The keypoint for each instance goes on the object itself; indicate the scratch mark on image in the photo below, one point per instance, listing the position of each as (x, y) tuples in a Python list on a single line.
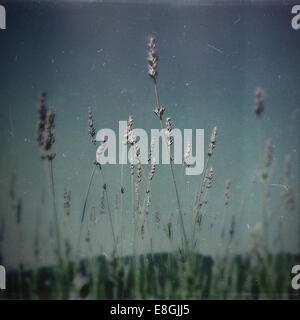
[(237, 20), (280, 185), (215, 48)]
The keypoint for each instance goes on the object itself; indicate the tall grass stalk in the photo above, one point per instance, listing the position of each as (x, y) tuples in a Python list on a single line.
[(185, 241), (198, 195), (109, 211), (122, 200), (84, 207), (56, 222)]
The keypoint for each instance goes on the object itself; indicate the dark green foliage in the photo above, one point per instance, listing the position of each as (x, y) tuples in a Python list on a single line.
[(158, 276)]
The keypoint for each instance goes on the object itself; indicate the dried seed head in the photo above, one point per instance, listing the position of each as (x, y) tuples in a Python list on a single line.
[(259, 101), (143, 231), (187, 154), (45, 129), (213, 140), (268, 153), (67, 201), (49, 129), (42, 110), (159, 111), (226, 192), (139, 173), (152, 171), (151, 149), (169, 124), (49, 135), (131, 168), (169, 138), (102, 147), (213, 137), (157, 217), (130, 123), (102, 202), (129, 137), (209, 177), (169, 131), (92, 131), (152, 58), (148, 199)]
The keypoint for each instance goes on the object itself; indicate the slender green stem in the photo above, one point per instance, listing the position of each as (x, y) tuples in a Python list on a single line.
[(260, 141), (222, 226), (198, 200), (52, 192), (172, 174), (138, 209), (263, 204), (241, 211), (122, 199), (200, 190), (203, 214), (132, 197), (87, 193), (264, 215), (145, 199), (84, 206), (141, 217), (156, 94), (109, 211), (143, 211)]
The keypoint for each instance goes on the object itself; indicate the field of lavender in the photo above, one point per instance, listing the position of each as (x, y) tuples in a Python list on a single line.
[(183, 272)]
